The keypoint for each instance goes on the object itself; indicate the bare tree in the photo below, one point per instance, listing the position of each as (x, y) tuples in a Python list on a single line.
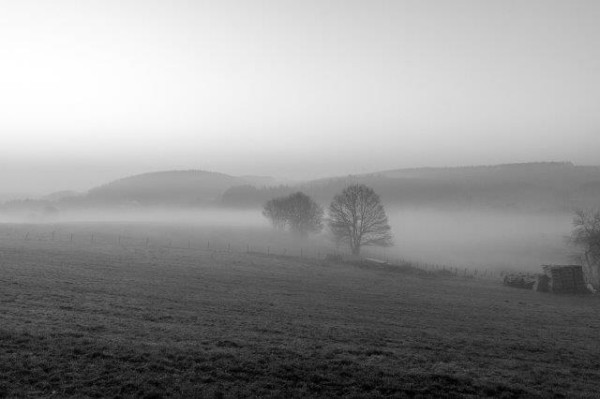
[(297, 211), (357, 217), (586, 235)]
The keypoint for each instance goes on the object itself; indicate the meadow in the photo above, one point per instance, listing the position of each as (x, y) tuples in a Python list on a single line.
[(152, 314)]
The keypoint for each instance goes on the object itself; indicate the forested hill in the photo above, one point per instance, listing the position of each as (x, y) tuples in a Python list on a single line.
[(170, 187), (189, 187), (530, 187)]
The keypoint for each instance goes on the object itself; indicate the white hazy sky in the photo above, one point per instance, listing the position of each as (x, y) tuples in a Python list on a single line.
[(94, 90)]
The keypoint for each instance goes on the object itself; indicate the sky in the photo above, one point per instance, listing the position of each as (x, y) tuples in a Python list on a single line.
[(95, 90)]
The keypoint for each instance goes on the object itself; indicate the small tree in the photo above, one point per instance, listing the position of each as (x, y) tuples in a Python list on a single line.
[(586, 235), (357, 217), (273, 210), (297, 211)]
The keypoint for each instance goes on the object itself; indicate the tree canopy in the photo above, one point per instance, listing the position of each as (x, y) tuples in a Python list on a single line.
[(586, 234), (357, 217), (296, 212)]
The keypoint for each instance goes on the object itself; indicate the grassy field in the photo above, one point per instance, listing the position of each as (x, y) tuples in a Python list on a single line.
[(97, 320)]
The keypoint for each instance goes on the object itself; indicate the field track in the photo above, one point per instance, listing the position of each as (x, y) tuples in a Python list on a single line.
[(82, 320)]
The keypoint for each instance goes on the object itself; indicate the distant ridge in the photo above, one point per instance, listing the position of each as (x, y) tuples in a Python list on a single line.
[(522, 165), (176, 187), (519, 186), (180, 187), (510, 167), (536, 186)]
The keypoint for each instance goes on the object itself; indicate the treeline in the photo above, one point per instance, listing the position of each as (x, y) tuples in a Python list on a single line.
[(528, 187)]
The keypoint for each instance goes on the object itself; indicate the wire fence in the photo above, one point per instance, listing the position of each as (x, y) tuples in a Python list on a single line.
[(83, 239)]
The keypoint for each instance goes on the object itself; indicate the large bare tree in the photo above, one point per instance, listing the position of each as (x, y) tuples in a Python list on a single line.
[(357, 217), (586, 234), (297, 212)]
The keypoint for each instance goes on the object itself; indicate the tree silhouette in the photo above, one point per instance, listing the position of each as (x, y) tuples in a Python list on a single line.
[(297, 212), (357, 217), (586, 234)]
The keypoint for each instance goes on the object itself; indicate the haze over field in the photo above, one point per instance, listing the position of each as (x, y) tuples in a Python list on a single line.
[(506, 216), (299, 198), (200, 112)]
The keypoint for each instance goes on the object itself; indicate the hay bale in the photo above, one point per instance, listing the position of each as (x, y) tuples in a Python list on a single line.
[(520, 280), (565, 279), (541, 283)]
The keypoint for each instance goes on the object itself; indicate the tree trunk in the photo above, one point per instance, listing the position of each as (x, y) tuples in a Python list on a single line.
[(593, 270)]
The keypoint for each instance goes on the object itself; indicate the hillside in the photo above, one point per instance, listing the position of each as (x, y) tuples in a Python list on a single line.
[(187, 188), (114, 320), (522, 187), (531, 186), (528, 186), (190, 187)]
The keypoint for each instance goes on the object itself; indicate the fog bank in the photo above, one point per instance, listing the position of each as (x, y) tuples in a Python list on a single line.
[(475, 239), (457, 238)]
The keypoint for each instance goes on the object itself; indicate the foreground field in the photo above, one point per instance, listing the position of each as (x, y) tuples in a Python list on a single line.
[(109, 321)]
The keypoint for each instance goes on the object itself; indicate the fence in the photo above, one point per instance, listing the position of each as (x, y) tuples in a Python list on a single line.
[(215, 244)]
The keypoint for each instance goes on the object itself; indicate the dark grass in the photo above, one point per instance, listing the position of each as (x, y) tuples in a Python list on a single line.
[(95, 321)]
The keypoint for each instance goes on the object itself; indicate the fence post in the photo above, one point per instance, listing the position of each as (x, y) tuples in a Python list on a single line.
[(208, 245), (92, 239), (71, 237)]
